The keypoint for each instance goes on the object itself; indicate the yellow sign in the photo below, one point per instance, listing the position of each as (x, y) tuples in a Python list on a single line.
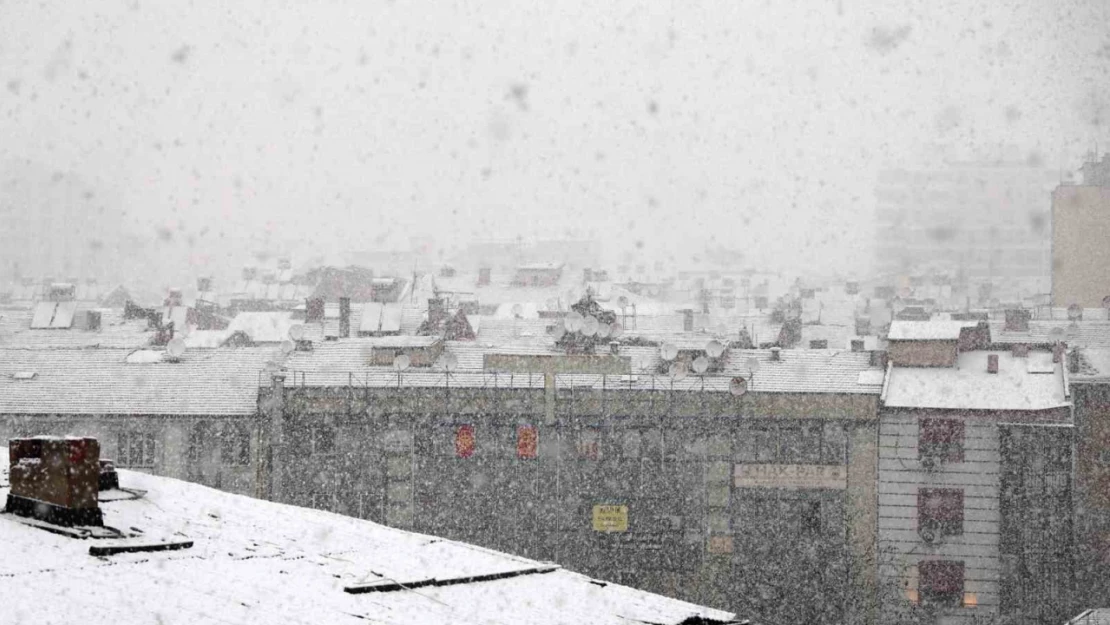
[(791, 476), (610, 518)]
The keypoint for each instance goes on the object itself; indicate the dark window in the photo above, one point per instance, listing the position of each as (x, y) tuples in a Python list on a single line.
[(465, 442), (323, 439), (811, 517), (589, 444), (527, 442), (780, 443), (941, 583), (235, 444), (136, 449), (941, 440), (940, 510)]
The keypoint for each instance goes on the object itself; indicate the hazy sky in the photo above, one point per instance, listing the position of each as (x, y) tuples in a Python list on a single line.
[(676, 124)]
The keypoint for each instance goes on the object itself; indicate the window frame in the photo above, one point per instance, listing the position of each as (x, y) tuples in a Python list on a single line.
[(942, 439), (932, 573), (946, 517), (147, 450)]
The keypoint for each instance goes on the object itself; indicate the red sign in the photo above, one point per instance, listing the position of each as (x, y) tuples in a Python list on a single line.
[(527, 442), (464, 441)]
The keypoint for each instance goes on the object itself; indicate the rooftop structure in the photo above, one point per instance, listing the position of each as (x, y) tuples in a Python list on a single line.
[(253, 561)]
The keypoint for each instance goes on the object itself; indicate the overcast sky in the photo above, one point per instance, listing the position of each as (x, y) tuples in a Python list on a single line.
[(674, 124)]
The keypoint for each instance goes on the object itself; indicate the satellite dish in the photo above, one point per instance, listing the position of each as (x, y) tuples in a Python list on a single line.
[(559, 331), (714, 349), (518, 310), (1075, 312), (401, 362), (287, 347), (603, 330), (753, 364), (738, 386), (296, 332), (175, 348), (450, 361), (616, 330), (589, 326), (668, 351), (678, 371), (701, 365)]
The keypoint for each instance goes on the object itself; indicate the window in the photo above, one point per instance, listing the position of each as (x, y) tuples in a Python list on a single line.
[(940, 510), (465, 442), (235, 444), (783, 443), (589, 444), (323, 439), (136, 450), (941, 440), (941, 583), (527, 442)]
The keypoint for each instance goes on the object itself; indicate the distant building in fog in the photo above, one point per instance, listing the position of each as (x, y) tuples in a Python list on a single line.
[(1081, 238), (983, 220)]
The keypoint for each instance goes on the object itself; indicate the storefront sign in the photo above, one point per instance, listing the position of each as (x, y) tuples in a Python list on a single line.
[(610, 518), (792, 476)]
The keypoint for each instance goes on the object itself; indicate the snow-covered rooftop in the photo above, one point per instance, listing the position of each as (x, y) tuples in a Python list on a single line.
[(254, 561), (931, 330), (969, 386)]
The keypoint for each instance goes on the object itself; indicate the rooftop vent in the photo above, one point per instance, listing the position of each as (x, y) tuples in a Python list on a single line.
[(776, 353), (992, 363)]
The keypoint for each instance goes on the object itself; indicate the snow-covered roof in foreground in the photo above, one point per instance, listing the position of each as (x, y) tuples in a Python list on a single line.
[(968, 386), (255, 561)]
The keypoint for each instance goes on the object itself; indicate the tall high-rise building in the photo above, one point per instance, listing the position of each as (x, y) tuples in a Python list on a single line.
[(981, 220), (1081, 238)]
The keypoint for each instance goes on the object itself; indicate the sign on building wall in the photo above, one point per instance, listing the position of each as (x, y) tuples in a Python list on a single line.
[(791, 476), (610, 518)]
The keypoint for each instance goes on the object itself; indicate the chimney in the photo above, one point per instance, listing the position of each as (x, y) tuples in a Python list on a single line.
[(92, 320), (484, 276), (204, 284), (1058, 350), (776, 353), (857, 345), (174, 298), (992, 363), (1073, 361), (1020, 350), (688, 320), (314, 310), (344, 317), (614, 348), (1017, 320), (437, 309)]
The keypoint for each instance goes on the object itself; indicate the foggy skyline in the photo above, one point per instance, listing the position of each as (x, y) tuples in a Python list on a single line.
[(751, 125)]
